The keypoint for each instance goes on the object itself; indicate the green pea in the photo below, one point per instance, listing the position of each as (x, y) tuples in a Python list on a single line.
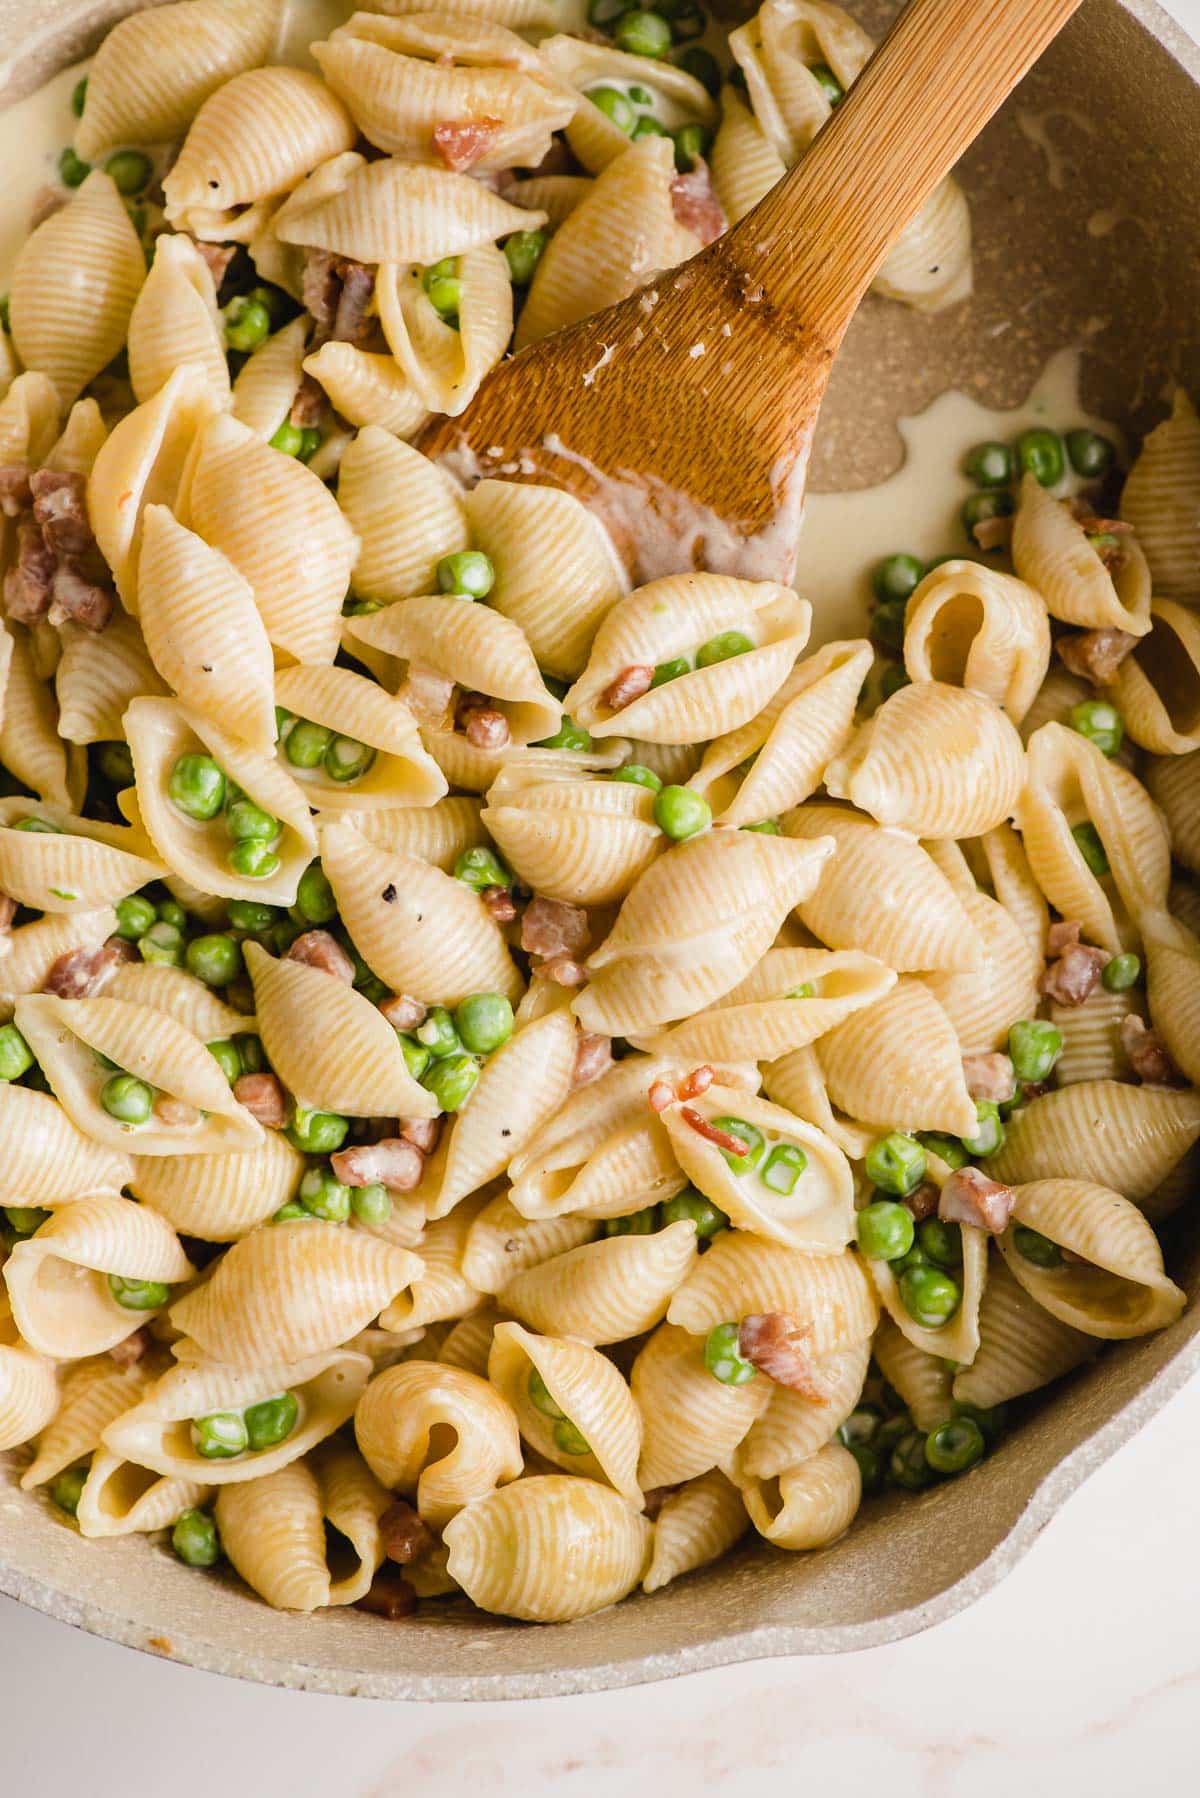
[(251, 915), (691, 1206), (569, 1439), (783, 1167), (940, 1242), (16, 1057), (1032, 1246), (195, 1539), (1090, 845), (416, 1056), (648, 126), (127, 1099), (24, 1220), (115, 763), (247, 324), (444, 289), (887, 623), (1040, 453), (438, 1033), (989, 1137), (947, 1148), (687, 21), (452, 1081), (288, 439), (72, 170), (216, 960), (569, 735), (954, 1445), (138, 1295), (197, 787), (989, 465), (135, 915), (67, 1489), (896, 1163), (371, 1204), (314, 896), (669, 671), (38, 827), (977, 508), (702, 66), (247, 822), (766, 827), (643, 34), (929, 1296), (469, 571), (224, 1052), (250, 1053), (896, 577), (306, 743), (162, 946), (1122, 972), (540, 1396), (131, 170), (1100, 723), (480, 868), (1091, 455), (870, 1465), (990, 1420), (310, 442), (220, 1436), (907, 1465), (893, 679), (828, 82), (724, 1359), (523, 251), (317, 1132), (346, 759), (638, 776), (641, 96), (691, 141), (1033, 1047), (554, 686), (862, 1425), (272, 1420), (291, 1212), (254, 859), (890, 1433), (171, 912), (79, 96), (806, 990), (722, 648), (746, 1134), (324, 1196), (636, 1223), (885, 1230), (680, 813), (484, 1022)]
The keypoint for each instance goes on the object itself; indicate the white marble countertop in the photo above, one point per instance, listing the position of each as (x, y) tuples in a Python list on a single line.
[(1080, 1674)]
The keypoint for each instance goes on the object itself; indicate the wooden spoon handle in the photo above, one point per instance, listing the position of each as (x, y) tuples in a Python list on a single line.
[(928, 91)]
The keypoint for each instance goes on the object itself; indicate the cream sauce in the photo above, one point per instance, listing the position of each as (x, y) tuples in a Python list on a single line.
[(1035, 128)]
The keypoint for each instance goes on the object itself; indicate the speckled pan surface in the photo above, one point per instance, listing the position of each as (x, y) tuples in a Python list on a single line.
[(1120, 95)]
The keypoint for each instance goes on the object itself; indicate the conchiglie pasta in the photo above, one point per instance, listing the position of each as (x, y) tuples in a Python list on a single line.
[(401, 212), (1173, 991), (405, 512), (1104, 1132), (437, 833), (445, 363), (794, 1425), (696, 1525), (923, 1380), (583, 1418), (47, 1160), (28, 1393), (957, 1338), (690, 1422), (1091, 1037), (584, 841), (743, 1275), (809, 1505), (367, 388), (500, 1242), (121, 1499), (77, 865), (796, 1081), (605, 1291), (745, 164), (1173, 782), (403, 1424), (1156, 689), (900, 1060), (972, 626), (175, 322), (400, 772), (265, 389), (548, 1549), (274, 1530), (98, 676), (221, 1198), (1161, 500), (441, 1292), (292, 1290), (1022, 1346), (982, 1004), (1054, 554), (30, 745), (670, 96)]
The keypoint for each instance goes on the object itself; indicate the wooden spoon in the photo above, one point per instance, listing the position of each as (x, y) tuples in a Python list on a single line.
[(684, 415)]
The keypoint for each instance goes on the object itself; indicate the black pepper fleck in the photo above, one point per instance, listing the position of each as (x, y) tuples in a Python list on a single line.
[(389, 894)]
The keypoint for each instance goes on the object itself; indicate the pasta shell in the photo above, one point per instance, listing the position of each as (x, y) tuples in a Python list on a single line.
[(142, 87), (265, 389), (30, 745), (500, 1242), (817, 1215), (93, 1393), (548, 1549), (469, 1341), (690, 1422), (1101, 1131), (437, 833), (1157, 686), (1161, 500), (287, 1292), (557, 573), (745, 165), (1052, 553), (792, 740), (929, 267), (810, 1505), (29, 419), (402, 774), (971, 626), (797, 1082), (122, 1499), (584, 842), (280, 527), (777, 50), (404, 1422), (159, 732), (1174, 784), (1021, 1345), (82, 439), (1114, 1287), (605, 1291), (744, 1274), (79, 1041), (588, 1391), (1091, 1037), (793, 1427), (441, 1292), (882, 893), (367, 388), (74, 284), (674, 617), (175, 322), (79, 866), (405, 512), (675, 97), (220, 1198), (696, 1525), (98, 676), (419, 930), (900, 1061), (922, 1380), (1173, 990), (28, 1394), (58, 1278), (47, 1160), (445, 363), (958, 1338), (393, 211), (254, 137), (983, 1003), (939, 761), (293, 1566), (555, 195)]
